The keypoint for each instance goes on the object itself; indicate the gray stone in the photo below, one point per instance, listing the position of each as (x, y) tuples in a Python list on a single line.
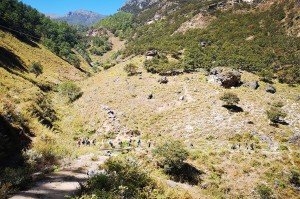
[(163, 80), (181, 98), (229, 78), (297, 98), (251, 84), (171, 183), (270, 89)]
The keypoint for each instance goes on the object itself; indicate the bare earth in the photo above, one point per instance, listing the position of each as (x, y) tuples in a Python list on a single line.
[(63, 183)]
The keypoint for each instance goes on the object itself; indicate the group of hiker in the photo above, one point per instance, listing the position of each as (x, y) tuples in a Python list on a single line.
[(86, 141), (233, 146), (129, 143)]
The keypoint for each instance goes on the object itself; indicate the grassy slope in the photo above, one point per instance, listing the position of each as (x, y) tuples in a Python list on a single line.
[(21, 92), (214, 129)]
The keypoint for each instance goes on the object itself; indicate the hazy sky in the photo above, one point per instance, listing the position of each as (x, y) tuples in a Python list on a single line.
[(60, 7)]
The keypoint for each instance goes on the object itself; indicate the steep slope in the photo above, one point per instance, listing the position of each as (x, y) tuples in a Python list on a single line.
[(26, 100), (80, 17)]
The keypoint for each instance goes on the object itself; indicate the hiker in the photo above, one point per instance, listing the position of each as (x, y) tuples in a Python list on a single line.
[(88, 142), (79, 142), (239, 145), (233, 146), (111, 144), (139, 142), (83, 141), (120, 144), (94, 142), (191, 145), (247, 145), (149, 143), (154, 143), (252, 146)]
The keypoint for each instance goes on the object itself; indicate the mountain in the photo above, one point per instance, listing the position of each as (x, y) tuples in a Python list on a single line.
[(79, 17)]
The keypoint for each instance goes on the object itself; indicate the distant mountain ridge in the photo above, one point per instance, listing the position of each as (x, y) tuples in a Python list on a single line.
[(79, 17)]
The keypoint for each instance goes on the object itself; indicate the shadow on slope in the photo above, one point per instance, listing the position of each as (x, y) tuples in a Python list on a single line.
[(187, 174), (13, 141), (9, 60)]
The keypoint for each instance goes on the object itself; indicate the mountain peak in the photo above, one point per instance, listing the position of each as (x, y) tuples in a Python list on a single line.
[(78, 17)]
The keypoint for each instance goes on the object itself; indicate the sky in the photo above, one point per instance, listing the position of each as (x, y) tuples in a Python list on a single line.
[(61, 7)]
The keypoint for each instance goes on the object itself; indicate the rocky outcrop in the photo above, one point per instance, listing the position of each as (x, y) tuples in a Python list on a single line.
[(251, 84), (270, 89), (229, 78), (199, 21)]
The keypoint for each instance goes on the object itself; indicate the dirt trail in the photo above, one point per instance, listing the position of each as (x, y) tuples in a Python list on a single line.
[(62, 183)]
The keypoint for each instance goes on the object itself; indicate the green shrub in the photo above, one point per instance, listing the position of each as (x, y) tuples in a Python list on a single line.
[(230, 99), (130, 69), (36, 68), (264, 191), (276, 115), (295, 177), (123, 179), (171, 155), (70, 90)]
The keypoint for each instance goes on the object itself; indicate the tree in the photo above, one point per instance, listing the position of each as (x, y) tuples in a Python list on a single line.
[(36, 68), (276, 115), (130, 69), (70, 90), (230, 99), (171, 155)]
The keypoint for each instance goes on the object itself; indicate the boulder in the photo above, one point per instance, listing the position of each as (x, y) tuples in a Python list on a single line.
[(151, 53), (251, 84), (163, 80), (229, 78), (271, 89)]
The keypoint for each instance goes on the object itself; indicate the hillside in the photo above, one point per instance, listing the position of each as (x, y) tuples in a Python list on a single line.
[(197, 118), (79, 17), (187, 99)]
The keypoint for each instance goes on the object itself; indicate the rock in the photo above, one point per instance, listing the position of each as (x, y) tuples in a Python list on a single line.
[(151, 53), (38, 176), (204, 186), (251, 84), (171, 183), (106, 108), (181, 98), (271, 89), (295, 140), (229, 78), (297, 98), (150, 96), (215, 71), (163, 80)]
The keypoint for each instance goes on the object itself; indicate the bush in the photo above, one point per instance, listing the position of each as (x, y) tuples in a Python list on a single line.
[(122, 179), (264, 191), (130, 69), (230, 99), (295, 177), (275, 115), (36, 68), (70, 90), (171, 155)]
